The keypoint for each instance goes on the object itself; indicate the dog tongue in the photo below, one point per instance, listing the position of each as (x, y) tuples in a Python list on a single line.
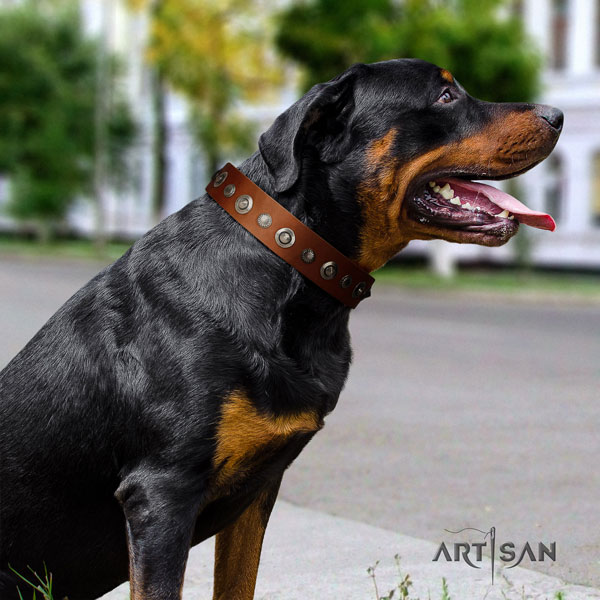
[(507, 202)]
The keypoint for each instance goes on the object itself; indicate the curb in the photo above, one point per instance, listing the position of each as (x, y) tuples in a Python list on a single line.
[(312, 555)]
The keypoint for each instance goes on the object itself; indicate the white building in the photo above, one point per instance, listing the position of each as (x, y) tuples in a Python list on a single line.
[(568, 184)]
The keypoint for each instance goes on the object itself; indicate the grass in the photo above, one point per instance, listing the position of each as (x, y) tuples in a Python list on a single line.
[(60, 248), (509, 281), (503, 281), (41, 585), (402, 589)]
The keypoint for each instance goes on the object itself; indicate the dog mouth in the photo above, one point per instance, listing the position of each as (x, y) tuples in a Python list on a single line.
[(473, 209)]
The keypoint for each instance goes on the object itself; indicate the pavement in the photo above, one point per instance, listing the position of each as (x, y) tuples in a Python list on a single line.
[(308, 555), (461, 410)]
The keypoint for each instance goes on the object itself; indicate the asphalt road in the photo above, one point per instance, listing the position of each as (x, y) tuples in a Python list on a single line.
[(460, 411)]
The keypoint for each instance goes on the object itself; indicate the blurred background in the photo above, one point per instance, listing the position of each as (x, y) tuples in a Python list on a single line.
[(474, 396), (114, 113)]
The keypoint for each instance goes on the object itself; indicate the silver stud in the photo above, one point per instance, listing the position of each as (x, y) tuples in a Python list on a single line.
[(345, 281), (359, 289), (285, 237), (264, 220), (220, 178), (308, 255), (243, 204), (229, 190), (328, 270)]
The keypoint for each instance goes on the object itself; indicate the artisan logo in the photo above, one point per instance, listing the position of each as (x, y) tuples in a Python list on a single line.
[(508, 552)]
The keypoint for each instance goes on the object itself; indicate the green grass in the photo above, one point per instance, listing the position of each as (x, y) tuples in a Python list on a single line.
[(71, 249), (38, 584), (401, 591), (43, 585), (502, 281), (418, 278)]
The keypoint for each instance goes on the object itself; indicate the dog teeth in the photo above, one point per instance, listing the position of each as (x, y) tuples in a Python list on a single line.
[(432, 184), (511, 217), (468, 206), (447, 192), (455, 200), (503, 215), (436, 188)]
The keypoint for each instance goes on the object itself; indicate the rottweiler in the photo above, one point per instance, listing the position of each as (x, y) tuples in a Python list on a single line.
[(163, 402)]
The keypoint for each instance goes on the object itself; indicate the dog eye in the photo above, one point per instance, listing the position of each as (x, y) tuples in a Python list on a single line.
[(445, 98)]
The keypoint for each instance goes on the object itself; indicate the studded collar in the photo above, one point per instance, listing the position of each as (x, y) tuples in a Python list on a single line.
[(289, 238)]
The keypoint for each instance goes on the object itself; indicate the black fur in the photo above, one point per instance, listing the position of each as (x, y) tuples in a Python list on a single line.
[(112, 407)]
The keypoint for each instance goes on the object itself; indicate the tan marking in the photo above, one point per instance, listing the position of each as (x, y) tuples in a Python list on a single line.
[(237, 552), (508, 144), (243, 431), (384, 234), (447, 75), (380, 148)]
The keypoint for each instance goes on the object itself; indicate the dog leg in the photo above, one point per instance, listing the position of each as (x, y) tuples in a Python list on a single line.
[(160, 518), (238, 546)]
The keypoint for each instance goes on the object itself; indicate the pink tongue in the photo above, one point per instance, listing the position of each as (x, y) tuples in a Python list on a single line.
[(506, 202)]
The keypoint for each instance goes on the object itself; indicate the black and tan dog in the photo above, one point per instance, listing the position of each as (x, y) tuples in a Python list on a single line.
[(162, 403)]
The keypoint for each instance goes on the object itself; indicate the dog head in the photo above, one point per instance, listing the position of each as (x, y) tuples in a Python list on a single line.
[(396, 144)]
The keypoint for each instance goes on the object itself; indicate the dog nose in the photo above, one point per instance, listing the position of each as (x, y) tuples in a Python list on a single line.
[(551, 115)]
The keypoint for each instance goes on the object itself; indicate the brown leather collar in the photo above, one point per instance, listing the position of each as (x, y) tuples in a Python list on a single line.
[(288, 237)]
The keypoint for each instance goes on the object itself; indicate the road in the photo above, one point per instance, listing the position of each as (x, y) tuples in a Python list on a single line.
[(460, 411)]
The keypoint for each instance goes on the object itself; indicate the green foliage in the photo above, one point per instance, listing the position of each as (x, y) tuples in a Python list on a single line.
[(402, 587), (327, 36), (445, 590), (217, 54), (48, 82), (481, 42), (40, 585)]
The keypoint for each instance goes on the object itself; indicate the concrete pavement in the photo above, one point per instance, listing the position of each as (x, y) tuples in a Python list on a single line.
[(309, 555), (467, 411)]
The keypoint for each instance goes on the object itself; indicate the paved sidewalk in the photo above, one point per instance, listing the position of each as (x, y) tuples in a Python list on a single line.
[(310, 555)]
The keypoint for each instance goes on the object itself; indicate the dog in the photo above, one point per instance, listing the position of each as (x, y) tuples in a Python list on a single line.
[(163, 402)]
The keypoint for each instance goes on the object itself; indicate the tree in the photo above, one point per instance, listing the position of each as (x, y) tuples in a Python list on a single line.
[(217, 54), (481, 42), (48, 80)]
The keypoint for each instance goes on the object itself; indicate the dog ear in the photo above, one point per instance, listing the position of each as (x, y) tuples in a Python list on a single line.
[(319, 119)]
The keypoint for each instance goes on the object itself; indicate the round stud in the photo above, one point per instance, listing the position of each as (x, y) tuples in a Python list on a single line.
[(359, 289), (328, 270), (220, 178), (243, 204), (308, 255), (229, 190), (285, 237), (265, 220), (346, 281)]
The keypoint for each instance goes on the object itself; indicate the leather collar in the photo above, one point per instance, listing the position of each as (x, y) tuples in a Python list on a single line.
[(282, 233)]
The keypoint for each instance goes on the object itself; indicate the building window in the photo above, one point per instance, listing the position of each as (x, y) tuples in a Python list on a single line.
[(558, 59), (554, 187), (595, 199)]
